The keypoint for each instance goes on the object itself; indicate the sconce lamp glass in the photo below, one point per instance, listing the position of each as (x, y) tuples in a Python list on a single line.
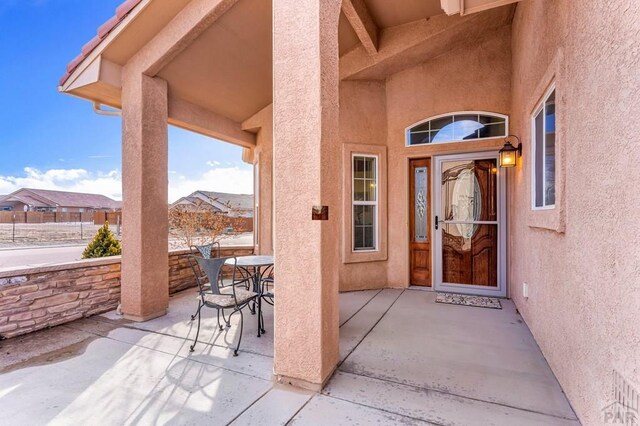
[(509, 154)]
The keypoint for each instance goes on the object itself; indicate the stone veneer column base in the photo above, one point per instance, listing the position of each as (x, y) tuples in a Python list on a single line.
[(138, 318), (303, 384)]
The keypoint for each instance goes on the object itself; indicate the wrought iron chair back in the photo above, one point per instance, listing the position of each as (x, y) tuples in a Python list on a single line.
[(212, 268), (207, 250)]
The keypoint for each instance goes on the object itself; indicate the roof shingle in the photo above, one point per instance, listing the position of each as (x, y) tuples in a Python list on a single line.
[(103, 31), (45, 197)]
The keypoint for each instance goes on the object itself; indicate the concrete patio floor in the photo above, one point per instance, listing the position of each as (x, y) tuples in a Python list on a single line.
[(404, 360)]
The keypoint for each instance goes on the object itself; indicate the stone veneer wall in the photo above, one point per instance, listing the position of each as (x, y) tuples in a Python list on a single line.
[(36, 298)]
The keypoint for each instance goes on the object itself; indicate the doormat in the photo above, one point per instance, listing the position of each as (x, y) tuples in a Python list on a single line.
[(467, 300)]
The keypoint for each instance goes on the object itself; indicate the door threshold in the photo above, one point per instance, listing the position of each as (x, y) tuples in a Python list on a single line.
[(420, 288)]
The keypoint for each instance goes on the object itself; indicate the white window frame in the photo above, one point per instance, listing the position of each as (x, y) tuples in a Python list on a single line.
[(539, 108), (365, 203), (407, 130), (256, 202)]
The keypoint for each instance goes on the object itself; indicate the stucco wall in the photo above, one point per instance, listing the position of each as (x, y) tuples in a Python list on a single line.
[(362, 121), (473, 78), (584, 283)]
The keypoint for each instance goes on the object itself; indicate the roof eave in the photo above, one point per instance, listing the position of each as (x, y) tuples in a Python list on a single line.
[(89, 66)]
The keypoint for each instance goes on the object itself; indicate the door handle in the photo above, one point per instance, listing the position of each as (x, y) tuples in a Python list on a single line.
[(436, 222)]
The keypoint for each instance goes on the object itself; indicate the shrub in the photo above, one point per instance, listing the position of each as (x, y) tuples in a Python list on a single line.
[(103, 244)]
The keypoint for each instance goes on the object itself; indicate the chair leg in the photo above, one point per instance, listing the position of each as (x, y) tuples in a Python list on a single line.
[(197, 310), (197, 332), (219, 325), (235, 353), (260, 318), (227, 321)]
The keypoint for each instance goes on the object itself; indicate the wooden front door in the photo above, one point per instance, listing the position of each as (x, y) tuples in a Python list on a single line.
[(420, 220)]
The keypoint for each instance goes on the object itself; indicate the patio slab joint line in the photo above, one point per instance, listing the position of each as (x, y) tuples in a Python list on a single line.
[(250, 405), (455, 395), (300, 409), (371, 329), (385, 410), (361, 307)]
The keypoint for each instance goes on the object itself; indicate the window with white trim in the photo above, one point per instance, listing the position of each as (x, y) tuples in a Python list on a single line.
[(365, 202), (544, 153)]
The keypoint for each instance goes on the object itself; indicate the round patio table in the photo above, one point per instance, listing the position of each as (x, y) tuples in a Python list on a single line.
[(257, 263)]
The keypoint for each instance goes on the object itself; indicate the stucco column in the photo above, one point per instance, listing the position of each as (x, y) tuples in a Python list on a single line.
[(145, 261), (306, 174)]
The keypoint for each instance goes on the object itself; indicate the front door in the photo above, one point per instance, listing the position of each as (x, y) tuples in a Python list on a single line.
[(468, 223), (420, 214)]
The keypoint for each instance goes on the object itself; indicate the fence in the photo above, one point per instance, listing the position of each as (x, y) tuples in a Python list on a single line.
[(40, 228), (43, 233), (97, 218)]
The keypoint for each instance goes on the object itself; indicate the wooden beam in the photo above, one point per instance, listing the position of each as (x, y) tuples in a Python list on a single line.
[(259, 119), (467, 7), (193, 20), (197, 119), (416, 42), (363, 25)]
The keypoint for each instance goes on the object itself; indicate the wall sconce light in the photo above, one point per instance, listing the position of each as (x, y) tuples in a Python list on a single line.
[(508, 157)]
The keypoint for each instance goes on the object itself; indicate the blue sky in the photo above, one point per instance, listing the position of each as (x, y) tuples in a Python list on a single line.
[(55, 141)]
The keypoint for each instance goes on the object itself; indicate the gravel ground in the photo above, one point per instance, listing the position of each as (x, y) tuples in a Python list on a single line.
[(46, 234)]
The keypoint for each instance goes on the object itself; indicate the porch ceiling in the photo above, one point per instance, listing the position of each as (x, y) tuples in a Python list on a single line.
[(415, 42), (227, 68)]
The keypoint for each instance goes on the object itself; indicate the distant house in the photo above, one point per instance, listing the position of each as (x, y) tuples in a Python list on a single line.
[(42, 200), (234, 205)]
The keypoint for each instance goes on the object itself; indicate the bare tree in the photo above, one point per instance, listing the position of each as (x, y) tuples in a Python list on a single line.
[(199, 224)]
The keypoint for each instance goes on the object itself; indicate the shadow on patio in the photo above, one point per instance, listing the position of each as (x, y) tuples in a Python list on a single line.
[(404, 359)]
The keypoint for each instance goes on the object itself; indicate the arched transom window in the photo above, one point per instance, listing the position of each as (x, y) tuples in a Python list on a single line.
[(456, 127)]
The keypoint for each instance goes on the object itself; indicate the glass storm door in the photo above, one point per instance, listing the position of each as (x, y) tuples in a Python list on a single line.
[(468, 223)]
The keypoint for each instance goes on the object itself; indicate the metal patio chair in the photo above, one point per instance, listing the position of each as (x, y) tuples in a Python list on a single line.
[(267, 292), (268, 281), (207, 251), (220, 297)]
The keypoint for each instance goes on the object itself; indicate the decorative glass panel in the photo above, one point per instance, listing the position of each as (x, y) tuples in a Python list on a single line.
[(458, 127), (421, 208), (469, 191)]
